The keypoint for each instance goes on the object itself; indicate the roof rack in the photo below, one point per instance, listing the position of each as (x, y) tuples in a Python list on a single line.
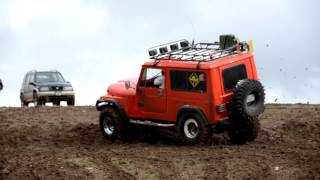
[(180, 45), (184, 51)]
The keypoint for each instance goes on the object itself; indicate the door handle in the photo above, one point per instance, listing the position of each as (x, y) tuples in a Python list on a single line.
[(160, 92), (138, 89)]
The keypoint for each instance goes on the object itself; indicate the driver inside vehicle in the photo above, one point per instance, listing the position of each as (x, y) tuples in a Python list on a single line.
[(159, 81)]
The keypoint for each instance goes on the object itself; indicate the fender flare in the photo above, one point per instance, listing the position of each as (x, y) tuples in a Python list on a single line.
[(191, 109), (100, 104), (35, 90)]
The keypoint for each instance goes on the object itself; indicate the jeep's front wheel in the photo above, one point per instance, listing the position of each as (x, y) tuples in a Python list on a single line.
[(193, 129), (111, 124)]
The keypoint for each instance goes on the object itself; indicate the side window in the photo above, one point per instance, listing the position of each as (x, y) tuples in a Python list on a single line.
[(31, 77), (188, 81), (232, 75), (153, 77), (25, 80)]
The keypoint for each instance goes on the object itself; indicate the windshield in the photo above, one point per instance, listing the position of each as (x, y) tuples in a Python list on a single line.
[(47, 77)]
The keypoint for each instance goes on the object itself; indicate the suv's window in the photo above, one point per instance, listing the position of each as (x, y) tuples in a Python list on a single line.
[(153, 77), (188, 81), (232, 75), (31, 77), (45, 77), (26, 78)]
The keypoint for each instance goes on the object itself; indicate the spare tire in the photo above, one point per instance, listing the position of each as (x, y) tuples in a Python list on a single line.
[(248, 99)]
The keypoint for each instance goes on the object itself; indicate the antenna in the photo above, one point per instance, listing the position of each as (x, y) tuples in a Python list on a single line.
[(193, 30), (192, 44)]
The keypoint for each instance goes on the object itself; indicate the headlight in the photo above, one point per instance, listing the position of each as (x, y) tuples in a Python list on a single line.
[(44, 89), (68, 88)]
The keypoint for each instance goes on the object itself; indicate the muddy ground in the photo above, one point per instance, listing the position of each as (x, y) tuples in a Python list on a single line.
[(65, 143)]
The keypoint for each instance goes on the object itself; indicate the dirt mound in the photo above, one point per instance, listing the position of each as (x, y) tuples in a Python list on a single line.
[(65, 143)]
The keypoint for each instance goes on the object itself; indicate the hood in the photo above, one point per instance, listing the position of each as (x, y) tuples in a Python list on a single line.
[(53, 84), (119, 88)]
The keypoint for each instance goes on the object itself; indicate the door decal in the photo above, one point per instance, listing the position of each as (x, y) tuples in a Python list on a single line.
[(194, 79)]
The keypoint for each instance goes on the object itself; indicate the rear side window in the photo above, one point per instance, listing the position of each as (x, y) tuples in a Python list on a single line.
[(31, 77), (232, 75), (188, 81), (26, 77)]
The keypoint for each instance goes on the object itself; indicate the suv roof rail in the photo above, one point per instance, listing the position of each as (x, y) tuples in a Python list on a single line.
[(43, 71)]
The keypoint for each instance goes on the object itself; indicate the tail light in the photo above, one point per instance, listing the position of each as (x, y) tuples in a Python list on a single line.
[(221, 108)]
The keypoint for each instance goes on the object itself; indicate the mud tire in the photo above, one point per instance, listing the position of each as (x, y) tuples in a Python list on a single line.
[(190, 137), (111, 124)]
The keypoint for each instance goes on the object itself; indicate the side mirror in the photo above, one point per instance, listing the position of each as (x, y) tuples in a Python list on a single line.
[(138, 89), (32, 83), (127, 85)]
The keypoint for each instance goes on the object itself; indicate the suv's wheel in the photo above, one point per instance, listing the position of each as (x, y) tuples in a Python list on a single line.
[(23, 103), (70, 102), (193, 129), (248, 99), (36, 100), (244, 131), (111, 124)]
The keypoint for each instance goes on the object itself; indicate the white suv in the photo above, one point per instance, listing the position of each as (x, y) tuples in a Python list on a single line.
[(40, 87)]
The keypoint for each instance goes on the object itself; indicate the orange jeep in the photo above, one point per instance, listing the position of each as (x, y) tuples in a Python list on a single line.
[(197, 89)]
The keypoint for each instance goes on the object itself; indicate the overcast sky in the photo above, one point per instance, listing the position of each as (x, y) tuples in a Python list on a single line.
[(97, 42)]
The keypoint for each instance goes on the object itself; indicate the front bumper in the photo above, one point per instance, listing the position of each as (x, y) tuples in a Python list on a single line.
[(55, 95), (100, 104)]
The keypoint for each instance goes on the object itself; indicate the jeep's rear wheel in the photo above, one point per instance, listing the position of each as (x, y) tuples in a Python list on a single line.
[(193, 129), (242, 132), (248, 99), (111, 124)]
